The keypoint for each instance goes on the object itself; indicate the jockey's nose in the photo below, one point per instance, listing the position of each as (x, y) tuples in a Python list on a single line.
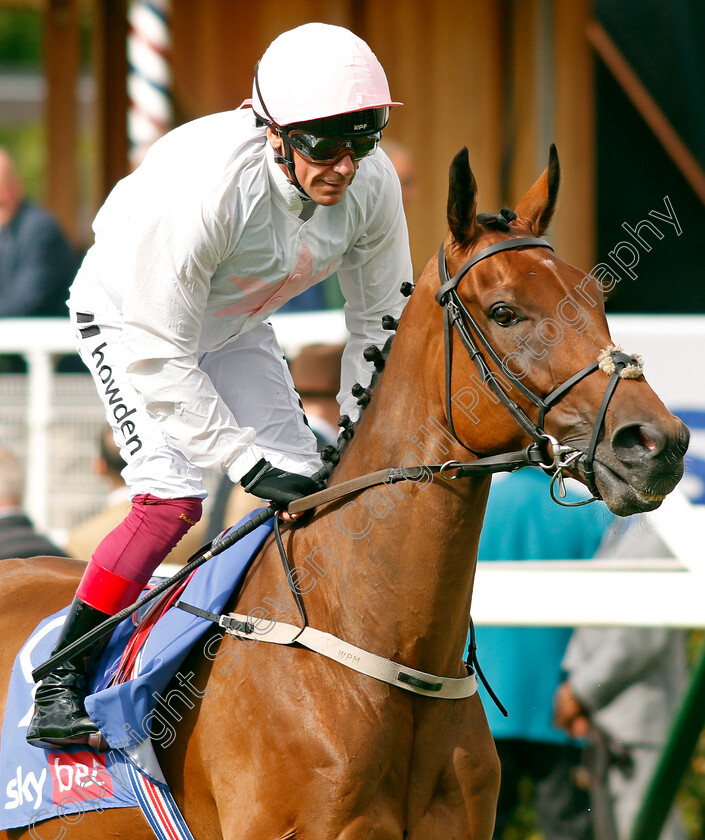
[(345, 165)]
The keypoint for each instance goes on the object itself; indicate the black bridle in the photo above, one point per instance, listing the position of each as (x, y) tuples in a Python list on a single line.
[(544, 451)]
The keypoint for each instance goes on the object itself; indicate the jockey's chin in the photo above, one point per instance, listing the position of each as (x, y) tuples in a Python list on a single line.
[(326, 183)]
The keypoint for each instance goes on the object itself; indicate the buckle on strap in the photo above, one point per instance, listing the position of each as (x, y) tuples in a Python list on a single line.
[(224, 621), (417, 683)]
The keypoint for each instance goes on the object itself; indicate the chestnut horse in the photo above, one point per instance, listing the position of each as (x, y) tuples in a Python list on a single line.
[(284, 743)]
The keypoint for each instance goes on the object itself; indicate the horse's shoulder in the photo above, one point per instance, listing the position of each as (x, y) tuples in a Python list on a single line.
[(30, 590), (27, 577)]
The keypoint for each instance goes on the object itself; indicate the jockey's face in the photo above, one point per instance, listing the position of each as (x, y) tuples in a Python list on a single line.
[(325, 183)]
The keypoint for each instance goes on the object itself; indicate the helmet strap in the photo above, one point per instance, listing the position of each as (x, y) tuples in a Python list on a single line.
[(287, 159)]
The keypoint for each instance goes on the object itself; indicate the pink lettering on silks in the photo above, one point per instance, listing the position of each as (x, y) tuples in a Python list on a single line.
[(258, 293)]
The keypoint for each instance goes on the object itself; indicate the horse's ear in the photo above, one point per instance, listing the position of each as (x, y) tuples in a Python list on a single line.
[(462, 199), (535, 210)]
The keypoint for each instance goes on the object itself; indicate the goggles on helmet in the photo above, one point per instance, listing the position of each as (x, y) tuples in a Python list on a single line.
[(329, 149), (326, 139), (351, 124)]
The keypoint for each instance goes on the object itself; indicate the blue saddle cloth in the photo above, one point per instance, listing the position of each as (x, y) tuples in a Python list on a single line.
[(37, 784)]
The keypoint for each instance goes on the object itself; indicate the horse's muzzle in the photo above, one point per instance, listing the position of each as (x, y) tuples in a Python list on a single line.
[(639, 465)]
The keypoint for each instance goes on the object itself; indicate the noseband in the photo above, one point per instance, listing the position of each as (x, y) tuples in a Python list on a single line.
[(545, 451)]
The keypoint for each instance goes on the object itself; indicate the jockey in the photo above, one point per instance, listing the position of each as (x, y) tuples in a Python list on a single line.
[(227, 218)]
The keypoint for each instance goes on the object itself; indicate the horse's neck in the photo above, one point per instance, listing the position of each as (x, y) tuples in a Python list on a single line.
[(405, 552)]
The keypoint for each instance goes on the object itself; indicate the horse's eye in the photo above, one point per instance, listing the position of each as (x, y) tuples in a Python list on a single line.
[(503, 315)]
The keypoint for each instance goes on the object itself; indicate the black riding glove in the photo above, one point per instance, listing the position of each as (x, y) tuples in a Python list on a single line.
[(279, 486)]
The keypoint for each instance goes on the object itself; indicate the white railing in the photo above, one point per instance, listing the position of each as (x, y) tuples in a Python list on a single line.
[(43, 341), (570, 593), (634, 593)]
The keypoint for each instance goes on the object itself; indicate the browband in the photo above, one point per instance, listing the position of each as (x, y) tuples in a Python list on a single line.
[(502, 245)]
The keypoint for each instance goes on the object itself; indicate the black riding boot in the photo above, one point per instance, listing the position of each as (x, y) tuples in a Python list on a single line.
[(60, 718)]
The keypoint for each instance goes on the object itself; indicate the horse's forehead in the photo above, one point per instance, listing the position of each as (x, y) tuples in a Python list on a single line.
[(547, 259), (516, 267)]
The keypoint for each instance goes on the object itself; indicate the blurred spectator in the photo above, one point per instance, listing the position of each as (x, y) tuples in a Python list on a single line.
[(623, 687), (523, 664), (84, 538), (37, 263), (403, 161), (18, 537), (316, 374)]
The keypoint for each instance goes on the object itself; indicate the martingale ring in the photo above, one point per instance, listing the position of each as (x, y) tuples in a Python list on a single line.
[(558, 450), (555, 453), (449, 465)]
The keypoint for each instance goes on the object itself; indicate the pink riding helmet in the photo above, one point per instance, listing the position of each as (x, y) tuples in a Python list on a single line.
[(318, 70)]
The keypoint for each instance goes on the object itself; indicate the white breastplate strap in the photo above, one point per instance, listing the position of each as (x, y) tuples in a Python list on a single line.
[(279, 633)]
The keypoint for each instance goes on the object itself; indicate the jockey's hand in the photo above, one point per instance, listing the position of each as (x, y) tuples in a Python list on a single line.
[(278, 486)]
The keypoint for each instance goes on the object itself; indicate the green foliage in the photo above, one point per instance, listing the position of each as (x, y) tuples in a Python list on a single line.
[(20, 38), (21, 51), (26, 144), (524, 825), (691, 796)]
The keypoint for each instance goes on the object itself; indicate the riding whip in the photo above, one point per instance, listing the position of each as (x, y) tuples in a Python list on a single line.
[(109, 624)]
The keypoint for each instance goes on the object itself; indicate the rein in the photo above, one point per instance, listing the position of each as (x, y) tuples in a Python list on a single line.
[(508, 462)]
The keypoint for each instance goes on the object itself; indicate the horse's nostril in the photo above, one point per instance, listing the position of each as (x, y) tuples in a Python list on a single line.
[(634, 442), (644, 438)]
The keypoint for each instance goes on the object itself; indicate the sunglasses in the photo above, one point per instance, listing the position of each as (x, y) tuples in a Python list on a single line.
[(329, 149)]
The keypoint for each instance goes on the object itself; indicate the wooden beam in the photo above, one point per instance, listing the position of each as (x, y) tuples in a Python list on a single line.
[(526, 106), (445, 67), (646, 105), (574, 227), (61, 57), (110, 68)]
